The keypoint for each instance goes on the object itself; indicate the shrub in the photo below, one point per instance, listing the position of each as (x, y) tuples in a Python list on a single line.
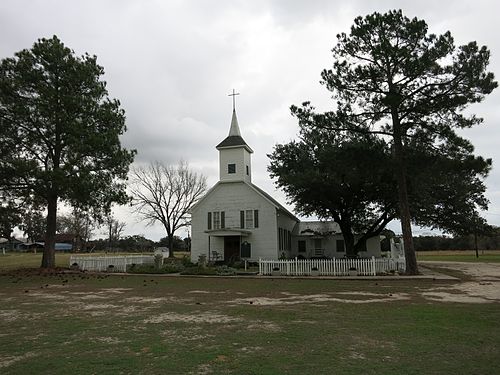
[(152, 268), (197, 270), (225, 271)]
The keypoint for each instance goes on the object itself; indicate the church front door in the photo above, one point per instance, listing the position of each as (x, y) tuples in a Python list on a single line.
[(231, 248)]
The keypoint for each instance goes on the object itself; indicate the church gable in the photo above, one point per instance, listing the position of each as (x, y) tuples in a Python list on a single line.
[(232, 198)]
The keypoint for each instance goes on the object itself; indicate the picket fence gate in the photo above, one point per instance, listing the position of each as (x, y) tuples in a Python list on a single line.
[(331, 267), (119, 263)]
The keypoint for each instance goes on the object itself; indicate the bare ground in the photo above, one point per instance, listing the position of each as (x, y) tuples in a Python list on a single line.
[(483, 285)]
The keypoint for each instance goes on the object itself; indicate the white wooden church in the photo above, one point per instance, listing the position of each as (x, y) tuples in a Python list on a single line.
[(238, 220)]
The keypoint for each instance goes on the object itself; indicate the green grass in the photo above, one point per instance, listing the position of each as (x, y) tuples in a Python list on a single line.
[(84, 324), (15, 260), (491, 256)]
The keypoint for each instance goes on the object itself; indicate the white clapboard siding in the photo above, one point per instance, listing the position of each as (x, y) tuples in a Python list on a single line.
[(102, 263), (331, 267)]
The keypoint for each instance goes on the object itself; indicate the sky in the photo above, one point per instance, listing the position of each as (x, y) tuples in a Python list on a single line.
[(173, 63)]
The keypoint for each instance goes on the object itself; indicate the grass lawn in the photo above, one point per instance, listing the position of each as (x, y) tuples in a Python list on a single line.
[(103, 324), (15, 260), (460, 256)]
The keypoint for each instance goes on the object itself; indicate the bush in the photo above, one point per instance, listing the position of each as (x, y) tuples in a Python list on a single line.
[(198, 270), (225, 271), (151, 268)]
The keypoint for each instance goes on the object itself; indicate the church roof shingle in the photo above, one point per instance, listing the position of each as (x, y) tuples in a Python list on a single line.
[(231, 141)]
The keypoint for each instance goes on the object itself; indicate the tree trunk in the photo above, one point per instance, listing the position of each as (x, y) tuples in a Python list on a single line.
[(350, 250), (404, 208), (475, 243), (49, 254), (171, 246)]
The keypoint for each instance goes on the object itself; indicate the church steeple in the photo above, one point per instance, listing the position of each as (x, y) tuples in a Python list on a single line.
[(234, 138), (235, 129), (234, 154)]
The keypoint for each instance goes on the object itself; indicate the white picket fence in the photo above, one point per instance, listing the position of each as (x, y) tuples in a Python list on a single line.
[(103, 263), (331, 267)]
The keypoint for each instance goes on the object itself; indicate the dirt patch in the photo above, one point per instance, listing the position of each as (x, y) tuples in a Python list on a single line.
[(203, 369), (190, 334), (478, 271), (199, 318), (116, 290), (264, 326), (98, 306), (484, 288), (156, 300), (8, 361), (316, 298), (467, 292), (108, 340), (9, 315)]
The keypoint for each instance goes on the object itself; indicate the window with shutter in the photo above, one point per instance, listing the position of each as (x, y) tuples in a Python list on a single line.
[(248, 219)]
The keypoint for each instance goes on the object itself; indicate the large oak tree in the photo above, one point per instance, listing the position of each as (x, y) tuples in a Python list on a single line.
[(349, 177), (62, 131), (393, 78)]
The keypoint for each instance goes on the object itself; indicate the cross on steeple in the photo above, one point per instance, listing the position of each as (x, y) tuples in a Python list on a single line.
[(233, 95)]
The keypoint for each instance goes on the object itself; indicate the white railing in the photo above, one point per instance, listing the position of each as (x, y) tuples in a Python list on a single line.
[(103, 263), (331, 267)]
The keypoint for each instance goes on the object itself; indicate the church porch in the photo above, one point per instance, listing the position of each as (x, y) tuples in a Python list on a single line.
[(224, 245)]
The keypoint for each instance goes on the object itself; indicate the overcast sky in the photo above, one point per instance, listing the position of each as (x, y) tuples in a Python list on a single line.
[(173, 63)]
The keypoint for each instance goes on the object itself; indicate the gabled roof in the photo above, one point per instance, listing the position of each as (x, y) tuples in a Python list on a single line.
[(274, 201), (312, 228), (257, 189)]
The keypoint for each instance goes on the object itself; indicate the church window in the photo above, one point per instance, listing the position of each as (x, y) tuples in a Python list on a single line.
[(216, 220), (231, 168), (248, 171), (255, 218), (284, 239), (249, 219)]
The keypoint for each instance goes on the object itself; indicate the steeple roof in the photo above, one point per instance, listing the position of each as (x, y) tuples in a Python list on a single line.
[(234, 138)]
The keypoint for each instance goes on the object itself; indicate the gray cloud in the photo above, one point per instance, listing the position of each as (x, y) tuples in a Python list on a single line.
[(172, 64)]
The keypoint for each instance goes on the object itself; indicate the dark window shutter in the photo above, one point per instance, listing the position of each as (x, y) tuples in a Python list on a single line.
[(209, 223), (255, 218), (222, 219), (242, 219)]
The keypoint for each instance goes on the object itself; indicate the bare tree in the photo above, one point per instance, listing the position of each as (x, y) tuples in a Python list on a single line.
[(166, 194), (80, 224), (114, 230)]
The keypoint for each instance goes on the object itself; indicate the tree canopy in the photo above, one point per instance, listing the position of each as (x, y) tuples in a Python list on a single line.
[(392, 78), (62, 131), (349, 178)]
